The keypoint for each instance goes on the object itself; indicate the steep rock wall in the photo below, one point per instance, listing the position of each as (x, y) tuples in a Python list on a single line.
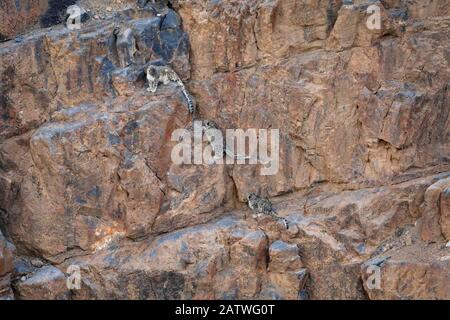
[(85, 172)]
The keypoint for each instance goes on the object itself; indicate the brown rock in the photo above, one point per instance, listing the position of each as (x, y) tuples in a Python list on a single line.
[(320, 99), (7, 252), (222, 259), (284, 257), (350, 29), (284, 286), (20, 15), (435, 220), (251, 249), (6, 292), (144, 195), (286, 277), (407, 275), (48, 283), (86, 175), (445, 213), (194, 192)]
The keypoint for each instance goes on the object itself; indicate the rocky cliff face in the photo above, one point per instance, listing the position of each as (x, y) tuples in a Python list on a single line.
[(86, 177)]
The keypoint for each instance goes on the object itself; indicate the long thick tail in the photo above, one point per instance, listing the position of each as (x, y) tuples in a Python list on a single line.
[(189, 100), (285, 222), (282, 219), (190, 103)]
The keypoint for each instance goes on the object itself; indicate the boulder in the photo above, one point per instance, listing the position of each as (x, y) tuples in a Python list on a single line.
[(405, 275), (436, 212), (284, 257), (7, 254), (48, 283)]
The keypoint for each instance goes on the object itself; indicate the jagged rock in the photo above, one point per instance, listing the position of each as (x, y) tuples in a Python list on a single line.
[(48, 283), (22, 267), (124, 80), (285, 286), (253, 250), (6, 292), (86, 175), (350, 28), (284, 257), (7, 252), (436, 212), (194, 193), (427, 8), (445, 213), (171, 21), (320, 98), (142, 3), (105, 175), (407, 275), (104, 202), (338, 231), (226, 258), (286, 278), (34, 71), (125, 46), (20, 15), (207, 261)]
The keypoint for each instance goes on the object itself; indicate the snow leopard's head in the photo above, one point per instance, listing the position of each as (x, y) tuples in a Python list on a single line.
[(208, 124), (251, 197)]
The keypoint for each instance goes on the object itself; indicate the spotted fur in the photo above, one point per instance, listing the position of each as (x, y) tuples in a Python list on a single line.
[(165, 75), (263, 206), (208, 124)]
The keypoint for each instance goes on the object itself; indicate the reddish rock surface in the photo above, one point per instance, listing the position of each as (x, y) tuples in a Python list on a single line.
[(407, 275), (86, 177), (436, 214), (47, 283), (18, 16), (7, 252)]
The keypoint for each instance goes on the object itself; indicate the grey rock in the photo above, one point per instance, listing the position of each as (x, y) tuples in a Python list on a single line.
[(47, 283), (37, 263), (284, 257), (22, 267), (171, 21)]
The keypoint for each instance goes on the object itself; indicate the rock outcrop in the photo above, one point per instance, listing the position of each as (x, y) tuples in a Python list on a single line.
[(47, 283), (7, 251), (436, 212), (87, 180)]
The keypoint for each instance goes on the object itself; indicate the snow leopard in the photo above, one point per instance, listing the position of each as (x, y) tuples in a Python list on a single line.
[(263, 206), (207, 125), (165, 75)]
